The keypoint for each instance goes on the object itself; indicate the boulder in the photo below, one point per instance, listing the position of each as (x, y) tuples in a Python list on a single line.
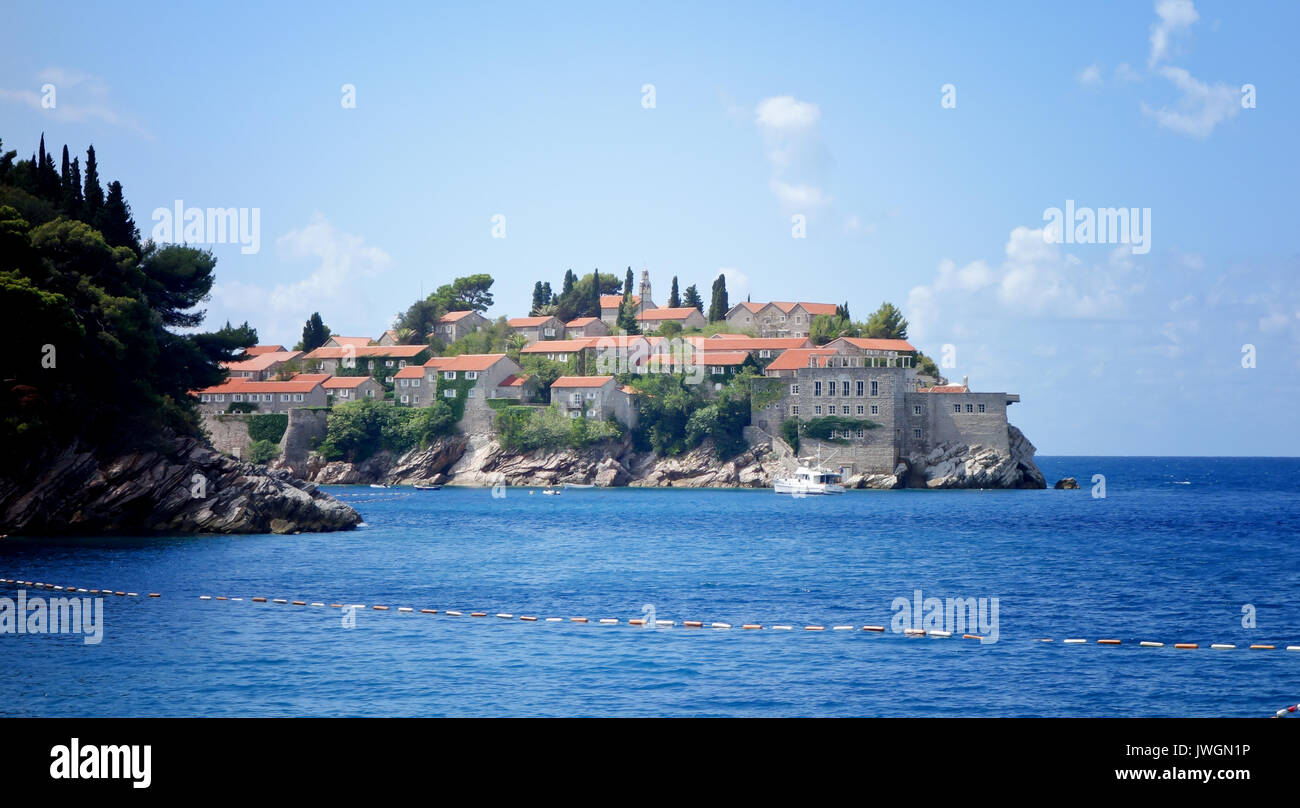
[(1066, 484)]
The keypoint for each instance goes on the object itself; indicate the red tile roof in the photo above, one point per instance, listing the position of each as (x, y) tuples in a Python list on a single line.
[(796, 358), (581, 381), (514, 380), (345, 382), (614, 301), (945, 388), (262, 361), (721, 357), (383, 351), (733, 342), (453, 316), (581, 321), (560, 345), (356, 342), (527, 322), (875, 344), (680, 313), (465, 361), (250, 386), (410, 372), (257, 350), (311, 377)]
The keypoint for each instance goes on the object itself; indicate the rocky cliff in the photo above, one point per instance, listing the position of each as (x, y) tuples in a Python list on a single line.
[(480, 460), (185, 486)]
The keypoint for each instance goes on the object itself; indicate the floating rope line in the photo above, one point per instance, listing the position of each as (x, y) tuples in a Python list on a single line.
[(1282, 713), (907, 633)]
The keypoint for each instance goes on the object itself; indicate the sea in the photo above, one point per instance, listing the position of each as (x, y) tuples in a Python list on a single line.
[(1172, 550)]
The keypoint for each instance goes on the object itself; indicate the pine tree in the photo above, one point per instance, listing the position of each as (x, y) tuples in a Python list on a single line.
[(569, 280), (692, 298), (718, 307), (674, 299), (115, 220), (537, 299), (314, 333), (93, 198), (47, 176)]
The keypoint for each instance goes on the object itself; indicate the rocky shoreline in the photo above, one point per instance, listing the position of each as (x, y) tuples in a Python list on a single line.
[(185, 486), (478, 460)]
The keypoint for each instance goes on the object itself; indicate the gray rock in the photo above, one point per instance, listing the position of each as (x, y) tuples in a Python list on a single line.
[(1066, 484)]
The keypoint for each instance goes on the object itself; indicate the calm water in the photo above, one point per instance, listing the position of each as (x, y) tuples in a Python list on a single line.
[(1172, 554)]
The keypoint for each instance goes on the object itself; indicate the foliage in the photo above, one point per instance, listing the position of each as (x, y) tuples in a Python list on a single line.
[(822, 428), (542, 372), (886, 322), (718, 305), (825, 328), (263, 451), (790, 432), (268, 426), (691, 297), (241, 406), (530, 428), (356, 430), (314, 333), (90, 349)]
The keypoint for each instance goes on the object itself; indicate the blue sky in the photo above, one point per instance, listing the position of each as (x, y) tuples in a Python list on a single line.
[(761, 112)]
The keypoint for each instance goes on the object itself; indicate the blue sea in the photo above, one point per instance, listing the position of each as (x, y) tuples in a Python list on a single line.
[(1178, 550)]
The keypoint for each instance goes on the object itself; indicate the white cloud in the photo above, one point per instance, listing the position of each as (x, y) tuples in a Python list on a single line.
[(344, 267), (799, 197), (78, 97), (1200, 106), (1126, 74), (790, 133), (785, 113), (1090, 76), (1174, 15)]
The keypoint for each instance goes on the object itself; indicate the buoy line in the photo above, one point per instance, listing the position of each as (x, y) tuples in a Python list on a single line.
[(640, 623)]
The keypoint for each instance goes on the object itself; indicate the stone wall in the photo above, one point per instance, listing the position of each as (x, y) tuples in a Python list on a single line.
[(228, 432), (306, 428)]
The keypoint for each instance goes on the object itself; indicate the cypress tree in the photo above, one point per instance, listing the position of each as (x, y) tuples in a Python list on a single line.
[(718, 307), (674, 299), (595, 292), (314, 333), (93, 197), (115, 220), (569, 281), (537, 298)]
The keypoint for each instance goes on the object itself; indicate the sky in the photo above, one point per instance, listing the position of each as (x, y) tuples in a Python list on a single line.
[(859, 152)]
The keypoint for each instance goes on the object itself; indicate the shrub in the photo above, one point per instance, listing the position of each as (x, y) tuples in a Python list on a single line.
[(268, 426), (263, 452)]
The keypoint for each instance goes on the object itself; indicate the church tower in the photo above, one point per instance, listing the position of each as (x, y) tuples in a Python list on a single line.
[(646, 302)]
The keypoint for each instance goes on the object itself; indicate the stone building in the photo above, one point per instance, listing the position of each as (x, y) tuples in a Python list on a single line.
[(595, 397), (455, 324), (265, 396), (537, 328), (777, 319), (882, 414)]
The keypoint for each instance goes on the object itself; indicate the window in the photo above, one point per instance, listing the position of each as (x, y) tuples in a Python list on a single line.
[(403, 383), (859, 409), (875, 409), (981, 408), (344, 393), (817, 388), (764, 354), (916, 409), (844, 387), (591, 394), (862, 433), (417, 399), (859, 388), (450, 392), (956, 408), (472, 391), (205, 397), (916, 433), (219, 397), (817, 410), (718, 370), (297, 396), (794, 391), (830, 410), (404, 399), (284, 396), (370, 394), (401, 363), (449, 375), (471, 374), (415, 382), (794, 410), (875, 387), (970, 408), (388, 363)]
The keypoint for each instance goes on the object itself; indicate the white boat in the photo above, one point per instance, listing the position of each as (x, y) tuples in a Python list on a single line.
[(809, 481), (551, 492), (378, 485), (577, 485)]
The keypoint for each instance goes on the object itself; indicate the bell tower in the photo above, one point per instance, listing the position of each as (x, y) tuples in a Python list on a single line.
[(645, 302)]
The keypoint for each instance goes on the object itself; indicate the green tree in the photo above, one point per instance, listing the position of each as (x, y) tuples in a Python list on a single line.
[(94, 193), (718, 306), (674, 299), (886, 322), (115, 220), (314, 333), (692, 298)]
